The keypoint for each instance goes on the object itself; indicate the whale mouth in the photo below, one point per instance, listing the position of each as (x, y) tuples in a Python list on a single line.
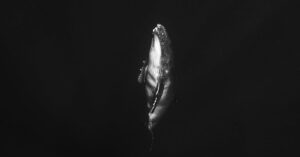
[(159, 30), (155, 57)]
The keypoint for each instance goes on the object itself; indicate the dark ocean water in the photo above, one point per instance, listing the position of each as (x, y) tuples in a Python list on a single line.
[(70, 78)]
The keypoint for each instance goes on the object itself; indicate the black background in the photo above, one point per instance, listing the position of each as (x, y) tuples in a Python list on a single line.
[(70, 78)]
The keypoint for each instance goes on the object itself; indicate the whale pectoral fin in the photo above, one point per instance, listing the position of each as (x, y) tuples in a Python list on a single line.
[(142, 75)]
